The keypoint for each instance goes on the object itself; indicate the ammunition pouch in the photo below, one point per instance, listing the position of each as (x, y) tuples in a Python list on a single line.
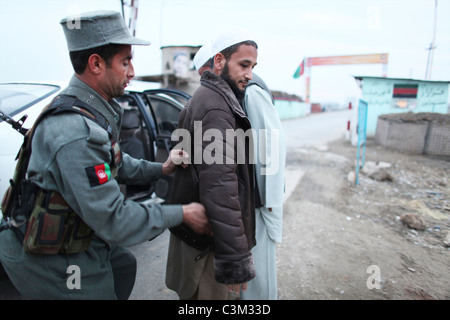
[(42, 219), (53, 227)]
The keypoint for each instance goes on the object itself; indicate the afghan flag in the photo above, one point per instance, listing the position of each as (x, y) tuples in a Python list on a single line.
[(405, 90), (98, 175), (299, 70)]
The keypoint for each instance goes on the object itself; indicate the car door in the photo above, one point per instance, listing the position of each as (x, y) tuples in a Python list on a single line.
[(166, 106), (148, 122)]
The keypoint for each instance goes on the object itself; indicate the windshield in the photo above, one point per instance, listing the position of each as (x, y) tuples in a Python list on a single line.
[(16, 97)]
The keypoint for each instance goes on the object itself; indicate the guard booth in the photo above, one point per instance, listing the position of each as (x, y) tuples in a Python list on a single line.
[(397, 95), (178, 70)]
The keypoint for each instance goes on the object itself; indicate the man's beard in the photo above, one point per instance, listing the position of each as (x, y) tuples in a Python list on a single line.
[(233, 85)]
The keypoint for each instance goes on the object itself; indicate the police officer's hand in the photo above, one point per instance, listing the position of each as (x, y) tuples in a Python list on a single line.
[(176, 157), (194, 215)]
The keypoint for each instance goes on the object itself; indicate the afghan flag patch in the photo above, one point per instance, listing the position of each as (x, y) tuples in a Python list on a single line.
[(98, 175)]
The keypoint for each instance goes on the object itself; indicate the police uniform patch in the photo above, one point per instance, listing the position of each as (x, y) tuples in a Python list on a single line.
[(99, 174)]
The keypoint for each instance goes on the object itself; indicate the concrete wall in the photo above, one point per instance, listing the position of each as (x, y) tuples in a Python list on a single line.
[(422, 136), (438, 140), (288, 109)]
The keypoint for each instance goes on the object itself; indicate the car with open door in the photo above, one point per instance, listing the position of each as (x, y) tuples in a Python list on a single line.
[(150, 116)]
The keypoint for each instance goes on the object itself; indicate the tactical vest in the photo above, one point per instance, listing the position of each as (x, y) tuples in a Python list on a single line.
[(42, 219)]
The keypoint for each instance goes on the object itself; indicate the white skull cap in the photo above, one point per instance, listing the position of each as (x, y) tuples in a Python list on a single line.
[(229, 37), (203, 55)]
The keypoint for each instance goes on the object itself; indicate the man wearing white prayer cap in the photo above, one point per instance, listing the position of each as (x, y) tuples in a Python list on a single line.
[(202, 59)]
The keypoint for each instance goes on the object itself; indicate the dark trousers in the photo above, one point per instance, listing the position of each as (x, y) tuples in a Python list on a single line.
[(107, 272), (123, 264)]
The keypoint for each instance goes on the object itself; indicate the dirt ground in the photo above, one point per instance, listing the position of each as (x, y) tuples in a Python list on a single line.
[(347, 241)]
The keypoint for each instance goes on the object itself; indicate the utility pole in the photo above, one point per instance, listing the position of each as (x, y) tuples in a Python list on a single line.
[(133, 5), (432, 46)]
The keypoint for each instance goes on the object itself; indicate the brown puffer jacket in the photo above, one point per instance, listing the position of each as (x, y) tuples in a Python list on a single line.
[(226, 179)]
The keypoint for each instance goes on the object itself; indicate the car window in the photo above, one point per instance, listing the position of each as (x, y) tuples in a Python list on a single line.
[(166, 110), (16, 97)]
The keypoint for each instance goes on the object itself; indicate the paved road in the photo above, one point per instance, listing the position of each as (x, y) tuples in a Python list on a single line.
[(313, 130)]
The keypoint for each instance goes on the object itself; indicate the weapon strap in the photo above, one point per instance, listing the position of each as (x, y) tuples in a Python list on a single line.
[(62, 103)]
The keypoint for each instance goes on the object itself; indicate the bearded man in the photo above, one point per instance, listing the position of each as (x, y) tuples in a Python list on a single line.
[(217, 267)]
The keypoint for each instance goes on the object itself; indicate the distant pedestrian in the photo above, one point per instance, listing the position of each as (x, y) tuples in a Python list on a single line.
[(203, 58)]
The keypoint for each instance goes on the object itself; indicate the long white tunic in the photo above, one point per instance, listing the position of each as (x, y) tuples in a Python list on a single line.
[(270, 156)]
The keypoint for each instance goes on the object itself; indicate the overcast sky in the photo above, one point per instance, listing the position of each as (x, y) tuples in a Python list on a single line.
[(33, 45)]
